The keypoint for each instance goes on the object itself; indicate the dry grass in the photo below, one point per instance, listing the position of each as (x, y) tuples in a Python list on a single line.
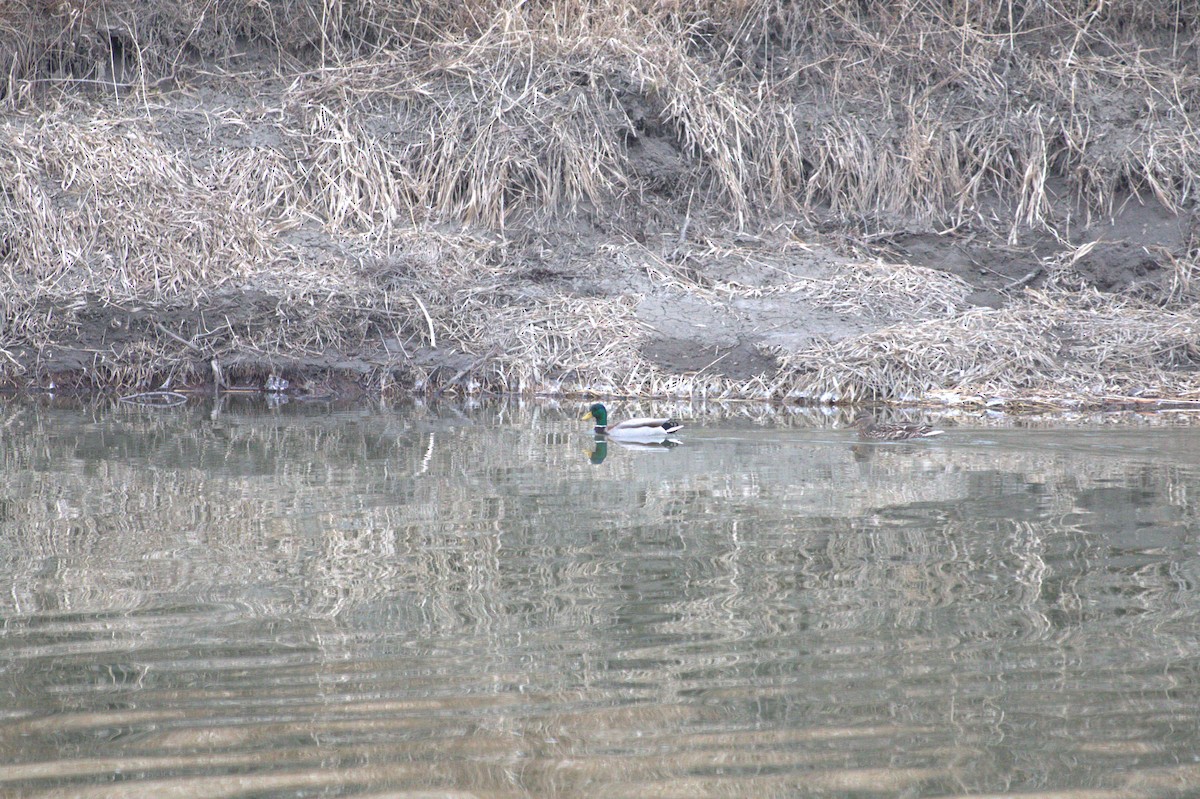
[(482, 132), (888, 291), (85, 214), (416, 138), (507, 109), (1052, 345)]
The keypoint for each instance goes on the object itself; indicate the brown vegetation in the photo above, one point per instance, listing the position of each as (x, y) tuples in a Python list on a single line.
[(489, 195)]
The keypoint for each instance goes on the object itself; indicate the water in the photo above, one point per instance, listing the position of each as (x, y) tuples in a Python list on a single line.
[(419, 602)]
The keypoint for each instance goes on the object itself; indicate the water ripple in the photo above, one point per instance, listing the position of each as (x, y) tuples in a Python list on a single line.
[(400, 605)]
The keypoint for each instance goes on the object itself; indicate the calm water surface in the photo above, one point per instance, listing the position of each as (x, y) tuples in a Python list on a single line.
[(421, 602)]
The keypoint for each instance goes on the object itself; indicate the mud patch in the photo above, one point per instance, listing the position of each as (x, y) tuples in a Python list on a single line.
[(1131, 252), (986, 264), (1128, 254), (729, 329), (741, 361), (1125, 267)]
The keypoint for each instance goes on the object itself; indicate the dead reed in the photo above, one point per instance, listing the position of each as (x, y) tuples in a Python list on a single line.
[(1051, 345), (269, 183)]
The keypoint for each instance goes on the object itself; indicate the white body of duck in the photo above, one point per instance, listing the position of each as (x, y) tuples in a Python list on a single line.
[(642, 429)]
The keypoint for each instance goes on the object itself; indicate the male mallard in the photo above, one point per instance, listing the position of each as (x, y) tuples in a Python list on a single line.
[(870, 429), (639, 429)]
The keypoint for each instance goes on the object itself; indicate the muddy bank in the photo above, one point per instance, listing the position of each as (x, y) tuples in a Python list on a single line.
[(635, 204)]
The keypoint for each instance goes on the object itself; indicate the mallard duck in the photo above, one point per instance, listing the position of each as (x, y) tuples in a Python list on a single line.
[(635, 429), (868, 428)]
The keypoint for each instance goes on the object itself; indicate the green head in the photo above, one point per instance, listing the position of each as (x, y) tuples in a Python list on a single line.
[(599, 413)]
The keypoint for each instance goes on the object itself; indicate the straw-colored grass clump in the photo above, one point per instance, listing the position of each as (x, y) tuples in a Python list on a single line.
[(1041, 348), (96, 206), (190, 190)]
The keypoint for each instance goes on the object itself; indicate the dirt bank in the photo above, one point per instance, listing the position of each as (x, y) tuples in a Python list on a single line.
[(745, 201)]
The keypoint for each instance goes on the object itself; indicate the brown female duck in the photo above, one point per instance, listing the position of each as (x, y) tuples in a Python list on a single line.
[(871, 430)]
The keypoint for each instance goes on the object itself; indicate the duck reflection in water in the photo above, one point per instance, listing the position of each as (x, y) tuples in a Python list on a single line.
[(901, 434), (599, 450), (871, 430)]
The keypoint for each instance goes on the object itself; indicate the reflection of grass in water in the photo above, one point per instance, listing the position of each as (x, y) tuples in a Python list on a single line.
[(427, 600), (445, 512)]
